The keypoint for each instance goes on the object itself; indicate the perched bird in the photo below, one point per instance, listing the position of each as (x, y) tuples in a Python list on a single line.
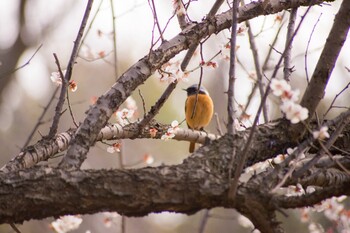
[(198, 111)]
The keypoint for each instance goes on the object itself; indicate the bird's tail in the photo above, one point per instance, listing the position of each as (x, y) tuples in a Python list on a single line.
[(192, 145)]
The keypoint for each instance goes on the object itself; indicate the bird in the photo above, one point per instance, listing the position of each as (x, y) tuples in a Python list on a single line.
[(198, 111)]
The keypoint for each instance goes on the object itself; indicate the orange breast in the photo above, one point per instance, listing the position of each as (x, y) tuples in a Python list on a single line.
[(203, 112)]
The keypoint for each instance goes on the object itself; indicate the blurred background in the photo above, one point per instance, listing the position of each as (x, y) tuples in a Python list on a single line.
[(53, 25)]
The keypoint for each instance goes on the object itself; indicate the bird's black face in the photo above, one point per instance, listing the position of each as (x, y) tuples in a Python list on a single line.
[(192, 90)]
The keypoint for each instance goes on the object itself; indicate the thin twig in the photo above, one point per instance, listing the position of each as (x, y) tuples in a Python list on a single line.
[(90, 25), (204, 221), (143, 103), (232, 78), (218, 125), (268, 56), (70, 108), (59, 106), (39, 122), (200, 81), (334, 99), (114, 40), (13, 226), (252, 92), (67, 77), (157, 106), (257, 67), (155, 17), (287, 71), (6, 73), (307, 49), (230, 92)]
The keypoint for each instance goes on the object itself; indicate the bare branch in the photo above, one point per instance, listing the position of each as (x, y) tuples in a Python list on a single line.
[(307, 49), (257, 68), (40, 119), (67, 77), (287, 71), (22, 66)]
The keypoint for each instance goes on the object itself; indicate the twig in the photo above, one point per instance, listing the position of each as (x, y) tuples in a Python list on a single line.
[(67, 77), (114, 41), (6, 73), (307, 49), (13, 226), (143, 103), (90, 24), (59, 106), (155, 108), (153, 43), (204, 221), (257, 67), (334, 99), (252, 92), (218, 125), (230, 93), (268, 56), (71, 110), (39, 122), (232, 78), (123, 224), (155, 17), (200, 80), (287, 71)]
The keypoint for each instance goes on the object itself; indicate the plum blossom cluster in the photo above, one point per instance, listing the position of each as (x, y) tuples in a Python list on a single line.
[(171, 131), (114, 148), (225, 49), (66, 223), (293, 111), (126, 115), (171, 72), (262, 166), (57, 79), (334, 210), (209, 64)]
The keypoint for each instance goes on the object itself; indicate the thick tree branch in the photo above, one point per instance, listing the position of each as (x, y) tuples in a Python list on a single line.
[(201, 181), (46, 149)]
